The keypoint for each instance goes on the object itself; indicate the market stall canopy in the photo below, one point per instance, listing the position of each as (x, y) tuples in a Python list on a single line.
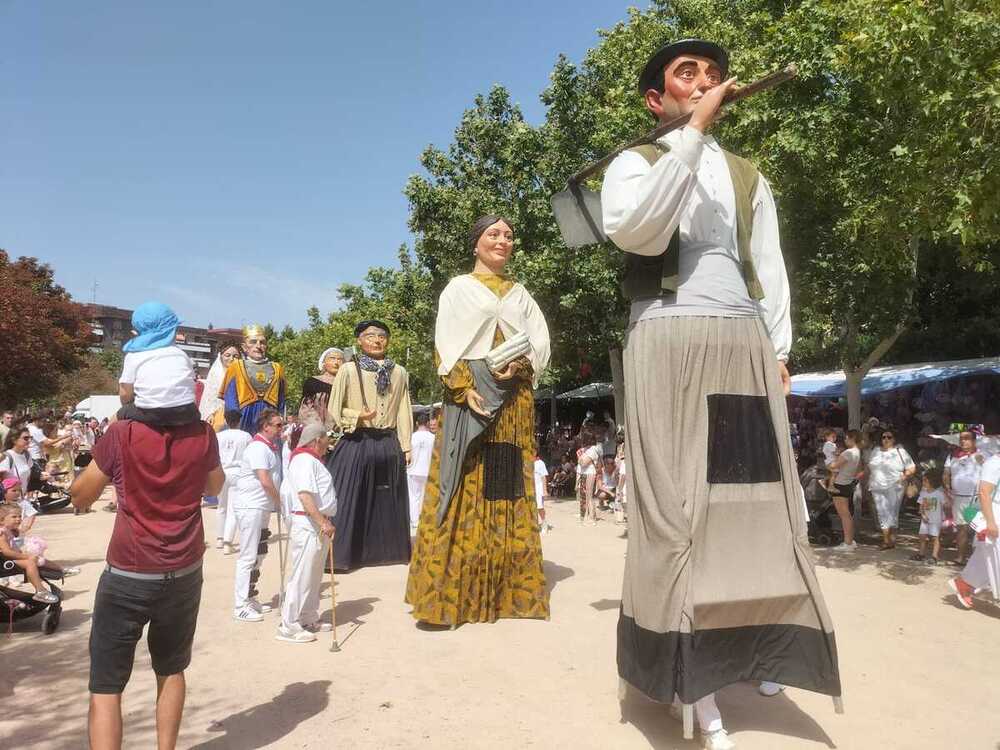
[(591, 390), (544, 394), (880, 379)]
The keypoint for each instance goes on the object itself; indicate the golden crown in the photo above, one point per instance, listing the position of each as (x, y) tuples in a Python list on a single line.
[(253, 331)]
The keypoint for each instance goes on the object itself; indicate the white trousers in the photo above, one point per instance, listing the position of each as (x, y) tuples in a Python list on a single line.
[(307, 549), (983, 569), (225, 517), (887, 504), (417, 484), (250, 523), (706, 713)]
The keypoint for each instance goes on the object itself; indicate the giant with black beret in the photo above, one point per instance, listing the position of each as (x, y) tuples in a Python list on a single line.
[(370, 324), (651, 75)]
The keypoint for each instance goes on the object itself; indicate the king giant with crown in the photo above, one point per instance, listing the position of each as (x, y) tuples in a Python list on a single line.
[(253, 383)]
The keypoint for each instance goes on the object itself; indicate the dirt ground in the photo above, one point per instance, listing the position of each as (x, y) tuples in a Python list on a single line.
[(918, 671)]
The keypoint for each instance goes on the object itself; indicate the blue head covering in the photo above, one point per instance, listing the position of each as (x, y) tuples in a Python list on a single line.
[(156, 325)]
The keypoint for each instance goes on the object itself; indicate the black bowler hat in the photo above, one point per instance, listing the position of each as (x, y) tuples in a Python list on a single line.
[(370, 324), (649, 78)]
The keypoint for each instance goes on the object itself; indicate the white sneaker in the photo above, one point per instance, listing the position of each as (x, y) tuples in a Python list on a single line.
[(248, 614), (262, 608), (318, 627), (769, 689), (845, 547), (717, 740), (294, 636), (543, 529)]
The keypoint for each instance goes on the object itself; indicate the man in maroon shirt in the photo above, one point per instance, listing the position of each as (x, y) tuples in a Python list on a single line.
[(153, 575)]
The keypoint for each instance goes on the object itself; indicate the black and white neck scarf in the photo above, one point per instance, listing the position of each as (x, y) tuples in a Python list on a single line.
[(382, 369)]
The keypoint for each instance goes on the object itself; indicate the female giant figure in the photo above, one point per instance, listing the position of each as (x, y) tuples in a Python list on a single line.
[(478, 555)]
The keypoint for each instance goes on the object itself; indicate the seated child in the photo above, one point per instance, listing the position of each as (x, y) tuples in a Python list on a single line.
[(12, 494), (11, 556), (931, 502), (157, 384)]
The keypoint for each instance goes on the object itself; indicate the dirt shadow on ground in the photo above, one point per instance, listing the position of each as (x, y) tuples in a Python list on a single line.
[(352, 609), (268, 722), (603, 605), (893, 564), (742, 709), (980, 605), (555, 573)]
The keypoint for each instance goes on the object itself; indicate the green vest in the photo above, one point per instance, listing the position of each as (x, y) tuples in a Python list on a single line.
[(653, 275)]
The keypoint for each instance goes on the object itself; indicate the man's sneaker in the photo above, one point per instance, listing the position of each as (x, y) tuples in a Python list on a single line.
[(769, 689), (963, 591), (262, 608), (318, 627), (717, 740), (248, 614), (288, 635), (845, 547)]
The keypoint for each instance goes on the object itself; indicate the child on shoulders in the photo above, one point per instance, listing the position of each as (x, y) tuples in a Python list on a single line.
[(157, 384)]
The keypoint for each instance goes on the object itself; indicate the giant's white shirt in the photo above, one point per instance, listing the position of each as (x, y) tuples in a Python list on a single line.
[(690, 187)]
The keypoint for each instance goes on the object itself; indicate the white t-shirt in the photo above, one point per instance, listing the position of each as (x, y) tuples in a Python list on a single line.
[(541, 472), (933, 503), (307, 474), (161, 377), (19, 466), (829, 453), (232, 443), (886, 467), (421, 450), (849, 468), (965, 473), (37, 441), (250, 493), (991, 475)]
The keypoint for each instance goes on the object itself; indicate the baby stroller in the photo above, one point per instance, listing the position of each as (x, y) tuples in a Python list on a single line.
[(16, 604), (50, 496), (825, 527)]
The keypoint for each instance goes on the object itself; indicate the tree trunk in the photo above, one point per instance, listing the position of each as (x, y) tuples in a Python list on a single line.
[(854, 378), (617, 383), (856, 374)]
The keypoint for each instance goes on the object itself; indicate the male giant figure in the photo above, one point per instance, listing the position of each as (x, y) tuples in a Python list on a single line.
[(719, 583), (253, 383)]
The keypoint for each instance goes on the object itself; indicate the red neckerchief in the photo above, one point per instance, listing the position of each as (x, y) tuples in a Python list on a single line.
[(959, 453), (261, 439), (304, 449)]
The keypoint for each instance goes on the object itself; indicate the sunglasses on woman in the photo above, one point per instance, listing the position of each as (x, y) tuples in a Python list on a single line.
[(887, 437)]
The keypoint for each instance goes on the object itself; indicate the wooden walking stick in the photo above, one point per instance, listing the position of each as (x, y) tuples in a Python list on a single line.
[(333, 602)]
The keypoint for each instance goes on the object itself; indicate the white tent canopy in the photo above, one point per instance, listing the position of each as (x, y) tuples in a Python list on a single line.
[(879, 379)]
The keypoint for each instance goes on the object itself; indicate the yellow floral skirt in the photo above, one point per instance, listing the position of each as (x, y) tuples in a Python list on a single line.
[(484, 561)]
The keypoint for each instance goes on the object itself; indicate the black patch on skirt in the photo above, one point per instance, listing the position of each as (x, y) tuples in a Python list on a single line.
[(503, 471), (742, 448)]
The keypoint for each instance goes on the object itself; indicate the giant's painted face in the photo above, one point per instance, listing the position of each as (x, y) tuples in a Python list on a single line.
[(686, 79), (255, 347), (495, 245), (373, 342), (228, 355), (333, 362)]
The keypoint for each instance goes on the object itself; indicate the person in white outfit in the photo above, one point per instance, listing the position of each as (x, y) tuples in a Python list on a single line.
[(256, 496), (309, 500), (982, 572), (422, 447), (541, 474), (889, 466), (232, 442), (961, 483)]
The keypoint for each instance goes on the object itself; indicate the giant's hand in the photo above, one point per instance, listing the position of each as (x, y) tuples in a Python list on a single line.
[(476, 402), (706, 111), (786, 379)]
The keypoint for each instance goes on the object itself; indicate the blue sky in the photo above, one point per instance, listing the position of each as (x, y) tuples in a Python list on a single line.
[(240, 160)]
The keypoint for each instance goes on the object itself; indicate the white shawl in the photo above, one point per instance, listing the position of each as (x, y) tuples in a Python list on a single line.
[(210, 401), (469, 313)]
